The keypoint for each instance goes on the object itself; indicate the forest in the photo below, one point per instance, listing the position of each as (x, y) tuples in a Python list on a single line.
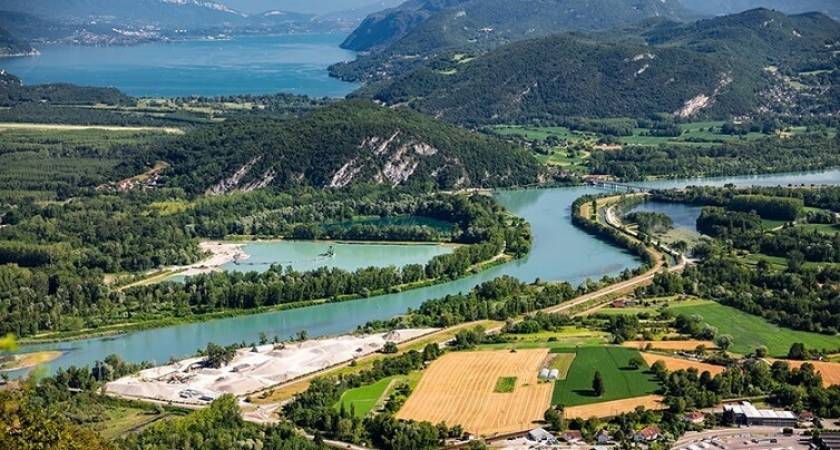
[(55, 256)]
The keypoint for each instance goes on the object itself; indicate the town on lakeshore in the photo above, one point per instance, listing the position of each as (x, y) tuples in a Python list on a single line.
[(419, 225)]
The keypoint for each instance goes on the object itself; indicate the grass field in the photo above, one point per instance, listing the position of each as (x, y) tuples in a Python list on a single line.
[(620, 381), (458, 388), (822, 227), (365, 399), (505, 385), (751, 331), (567, 337)]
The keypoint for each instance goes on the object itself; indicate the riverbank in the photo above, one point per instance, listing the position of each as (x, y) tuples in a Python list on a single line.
[(28, 360), (124, 328)]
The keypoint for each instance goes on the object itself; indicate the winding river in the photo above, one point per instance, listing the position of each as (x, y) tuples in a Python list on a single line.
[(560, 252)]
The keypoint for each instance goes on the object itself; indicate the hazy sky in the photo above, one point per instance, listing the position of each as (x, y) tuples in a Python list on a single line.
[(303, 6)]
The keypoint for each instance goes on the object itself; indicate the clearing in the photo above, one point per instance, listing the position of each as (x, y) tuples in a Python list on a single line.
[(620, 380), (669, 345), (750, 332), (459, 389)]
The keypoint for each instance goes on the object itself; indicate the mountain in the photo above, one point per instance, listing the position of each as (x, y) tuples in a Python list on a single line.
[(12, 46), (346, 143), (721, 7), (319, 7), (754, 61), (399, 38), (158, 13)]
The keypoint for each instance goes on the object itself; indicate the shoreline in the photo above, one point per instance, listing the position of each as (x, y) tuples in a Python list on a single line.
[(25, 361)]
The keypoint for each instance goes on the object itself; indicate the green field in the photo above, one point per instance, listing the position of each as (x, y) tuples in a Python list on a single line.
[(751, 331), (562, 362), (505, 385), (567, 337), (620, 381), (365, 399)]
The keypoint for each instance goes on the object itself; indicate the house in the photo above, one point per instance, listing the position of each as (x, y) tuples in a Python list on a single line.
[(603, 437), (540, 435), (806, 416), (572, 436), (648, 434), (618, 304), (747, 414), (695, 417)]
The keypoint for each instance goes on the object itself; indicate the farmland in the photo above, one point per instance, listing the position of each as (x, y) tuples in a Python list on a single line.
[(620, 381), (829, 371), (674, 364), (613, 408), (750, 331), (459, 389)]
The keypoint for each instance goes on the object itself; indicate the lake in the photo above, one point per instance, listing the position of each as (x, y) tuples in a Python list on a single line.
[(242, 65), (560, 252), (309, 255)]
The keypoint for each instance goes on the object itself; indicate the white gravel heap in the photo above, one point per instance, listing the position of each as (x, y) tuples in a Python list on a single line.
[(187, 381)]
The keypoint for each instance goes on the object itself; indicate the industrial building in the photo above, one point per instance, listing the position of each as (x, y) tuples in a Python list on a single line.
[(747, 414)]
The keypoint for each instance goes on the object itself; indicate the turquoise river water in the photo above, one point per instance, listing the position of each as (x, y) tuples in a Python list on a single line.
[(560, 252)]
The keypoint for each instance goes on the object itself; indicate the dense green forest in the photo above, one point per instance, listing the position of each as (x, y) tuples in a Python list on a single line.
[(13, 92), (806, 152), (720, 67), (54, 256)]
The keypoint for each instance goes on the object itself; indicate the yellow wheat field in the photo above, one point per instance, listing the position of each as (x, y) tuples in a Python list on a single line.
[(458, 389), (613, 408)]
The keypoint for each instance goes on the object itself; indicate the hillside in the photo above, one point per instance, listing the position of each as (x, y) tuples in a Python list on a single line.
[(163, 13), (13, 46), (417, 30), (720, 7), (348, 143), (725, 66)]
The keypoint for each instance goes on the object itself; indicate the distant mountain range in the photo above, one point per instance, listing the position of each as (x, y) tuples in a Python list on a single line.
[(13, 46), (721, 7), (759, 60), (399, 38)]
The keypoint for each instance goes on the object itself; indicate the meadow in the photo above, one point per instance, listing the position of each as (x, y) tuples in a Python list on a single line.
[(620, 381), (751, 331), (364, 399)]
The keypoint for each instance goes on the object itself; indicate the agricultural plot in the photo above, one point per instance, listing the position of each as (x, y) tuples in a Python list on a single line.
[(620, 380), (562, 362), (669, 345), (829, 371), (459, 389), (567, 337), (364, 399), (751, 331), (614, 408), (674, 364)]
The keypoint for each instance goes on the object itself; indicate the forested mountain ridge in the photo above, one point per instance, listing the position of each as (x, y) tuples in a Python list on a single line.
[(13, 92), (347, 143), (418, 30), (719, 7), (12, 46), (721, 67)]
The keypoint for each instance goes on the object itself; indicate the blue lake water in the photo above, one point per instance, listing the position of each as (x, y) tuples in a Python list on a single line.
[(560, 252), (243, 65)]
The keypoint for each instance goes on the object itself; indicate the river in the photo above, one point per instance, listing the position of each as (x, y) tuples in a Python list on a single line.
[(294, 63), (560, 252)]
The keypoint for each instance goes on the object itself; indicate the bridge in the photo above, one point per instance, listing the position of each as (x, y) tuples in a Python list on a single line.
[(615, 186)]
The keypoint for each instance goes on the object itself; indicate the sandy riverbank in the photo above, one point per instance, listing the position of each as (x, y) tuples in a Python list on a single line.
[(221, 253), (28, 360)]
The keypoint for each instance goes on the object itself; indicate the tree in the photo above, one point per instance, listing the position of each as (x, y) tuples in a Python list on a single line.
[(724, 341), (554, 419), (636, 362), (598, 384), (798, 351), (390, 347), (217, 356), (761, 351)]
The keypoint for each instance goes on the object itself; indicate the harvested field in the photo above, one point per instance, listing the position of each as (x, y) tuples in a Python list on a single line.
[(613, 408), (830, 371), (669, 345), (673, 364), (458, 389), (190, 382)]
